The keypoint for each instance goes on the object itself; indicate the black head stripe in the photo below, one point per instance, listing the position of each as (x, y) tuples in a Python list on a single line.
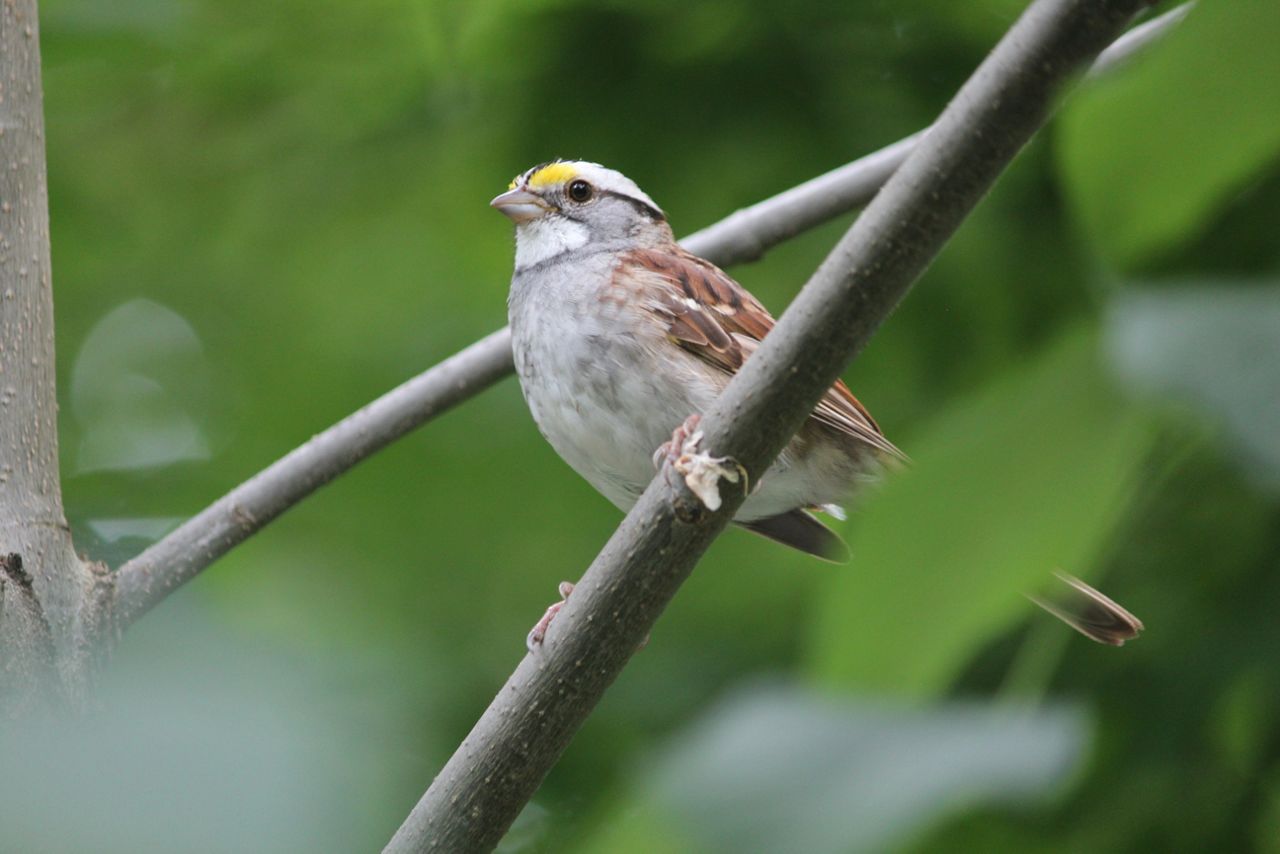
[(644, 208)]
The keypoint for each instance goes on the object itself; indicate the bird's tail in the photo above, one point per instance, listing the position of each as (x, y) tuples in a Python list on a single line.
[(1091, 613)]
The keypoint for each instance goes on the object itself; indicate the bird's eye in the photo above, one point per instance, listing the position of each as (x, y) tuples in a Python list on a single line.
[(580, 191)]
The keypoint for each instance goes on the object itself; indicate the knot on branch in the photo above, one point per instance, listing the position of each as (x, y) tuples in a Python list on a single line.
[(11, 566), (701, 471)]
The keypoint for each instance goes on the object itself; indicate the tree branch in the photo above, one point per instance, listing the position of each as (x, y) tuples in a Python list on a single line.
[(747, 234), (503, 760), (1138, 39), (152, 575), (744, 235)]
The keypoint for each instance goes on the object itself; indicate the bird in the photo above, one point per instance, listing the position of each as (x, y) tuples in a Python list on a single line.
[(621, 338)]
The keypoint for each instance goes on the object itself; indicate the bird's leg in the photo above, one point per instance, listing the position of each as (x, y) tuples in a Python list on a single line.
[(682, 438), (539, 631), (672, 449)]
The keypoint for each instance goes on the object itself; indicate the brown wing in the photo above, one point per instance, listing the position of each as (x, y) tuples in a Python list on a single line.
[(716, 319)]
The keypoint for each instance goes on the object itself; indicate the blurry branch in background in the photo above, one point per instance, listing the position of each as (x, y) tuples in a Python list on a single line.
[(501, 763), (743, 236), (202, 539)]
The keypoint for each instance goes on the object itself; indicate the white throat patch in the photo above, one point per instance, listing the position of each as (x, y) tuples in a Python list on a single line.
[(547, 237)]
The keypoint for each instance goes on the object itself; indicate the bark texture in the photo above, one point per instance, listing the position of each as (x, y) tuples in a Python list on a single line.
[(43, 584)]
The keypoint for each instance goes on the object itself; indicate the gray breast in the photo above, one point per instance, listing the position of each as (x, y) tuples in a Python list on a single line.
[(590, 371)]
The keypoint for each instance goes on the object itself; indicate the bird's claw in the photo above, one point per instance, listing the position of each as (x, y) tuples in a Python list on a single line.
[(701, 471), (672, 449), (539, 631)]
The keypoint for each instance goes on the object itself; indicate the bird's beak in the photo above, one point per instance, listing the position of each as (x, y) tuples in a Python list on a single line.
[(520, 205)]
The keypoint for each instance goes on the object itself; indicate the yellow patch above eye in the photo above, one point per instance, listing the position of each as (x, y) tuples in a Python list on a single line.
[(552, 174)]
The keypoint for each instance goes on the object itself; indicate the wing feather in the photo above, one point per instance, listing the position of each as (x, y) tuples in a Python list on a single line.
[(716, 319)]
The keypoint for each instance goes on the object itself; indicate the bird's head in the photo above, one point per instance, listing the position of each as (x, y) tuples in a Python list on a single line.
[(567, 204)]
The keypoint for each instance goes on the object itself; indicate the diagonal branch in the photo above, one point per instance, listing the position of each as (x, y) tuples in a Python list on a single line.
[(745, 235), (177, 558), (503, 760)]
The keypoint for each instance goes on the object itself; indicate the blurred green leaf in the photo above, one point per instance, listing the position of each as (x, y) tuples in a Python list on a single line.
[(1265, 838), (1216, 346), (780, 769), (1025, 477), (139, 390), (1242, 719), (639, 827), (1150, 154)]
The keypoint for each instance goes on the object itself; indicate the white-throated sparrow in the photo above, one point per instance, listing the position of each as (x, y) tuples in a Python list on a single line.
[(620, 335)]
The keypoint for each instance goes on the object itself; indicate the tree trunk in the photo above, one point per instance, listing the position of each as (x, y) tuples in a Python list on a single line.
[(45, 645)]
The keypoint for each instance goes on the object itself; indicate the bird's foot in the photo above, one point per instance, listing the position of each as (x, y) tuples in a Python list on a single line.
[(672, 449), (539, 631), (701, 471)]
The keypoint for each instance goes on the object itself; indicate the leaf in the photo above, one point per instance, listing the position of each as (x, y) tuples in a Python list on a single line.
[(140, 389), (1216, 346), (779, 769), (1026, 477), (1150, 154)]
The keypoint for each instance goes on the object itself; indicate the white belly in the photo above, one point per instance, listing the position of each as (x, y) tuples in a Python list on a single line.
[(604, 419), (605, 401)]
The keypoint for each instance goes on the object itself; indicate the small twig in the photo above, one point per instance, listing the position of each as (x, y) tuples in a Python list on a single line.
[(1138, 39)]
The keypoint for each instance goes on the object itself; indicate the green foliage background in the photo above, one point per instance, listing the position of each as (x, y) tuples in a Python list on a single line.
[(266, 214)]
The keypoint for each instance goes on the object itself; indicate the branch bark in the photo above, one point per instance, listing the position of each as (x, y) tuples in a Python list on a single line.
[(503, 760), (748, 234), (43, 584), (745, 235)]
